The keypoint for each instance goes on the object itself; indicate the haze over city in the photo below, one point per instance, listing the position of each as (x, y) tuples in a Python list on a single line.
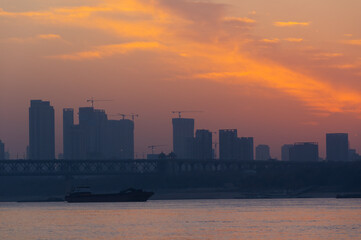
[(280, 72), (180, 119)]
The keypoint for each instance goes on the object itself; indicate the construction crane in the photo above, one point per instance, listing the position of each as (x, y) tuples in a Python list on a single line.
[(120, 114), (133, 115), (180, 112), (92, 100), (155, 146)]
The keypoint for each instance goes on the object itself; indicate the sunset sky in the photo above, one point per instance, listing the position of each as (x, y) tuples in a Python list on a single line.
[(281, 71)]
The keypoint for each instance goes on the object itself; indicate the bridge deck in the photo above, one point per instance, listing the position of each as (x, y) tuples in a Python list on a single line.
[(120, 167)]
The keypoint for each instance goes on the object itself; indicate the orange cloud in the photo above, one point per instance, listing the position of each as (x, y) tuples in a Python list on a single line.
[(48, 36), (294, 39), (291, 24), (33, 39), (354, 65), (109, 50), (240, 19), (326, 55), (196, 39), (273, 40), (353, 42)]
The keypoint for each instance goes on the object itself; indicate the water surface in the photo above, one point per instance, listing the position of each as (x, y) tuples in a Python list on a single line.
[(184, 219)]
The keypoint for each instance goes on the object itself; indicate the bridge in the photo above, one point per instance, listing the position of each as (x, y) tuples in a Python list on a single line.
[(152, 167)]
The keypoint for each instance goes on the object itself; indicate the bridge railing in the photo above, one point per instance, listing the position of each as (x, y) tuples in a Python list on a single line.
[(166, 166)]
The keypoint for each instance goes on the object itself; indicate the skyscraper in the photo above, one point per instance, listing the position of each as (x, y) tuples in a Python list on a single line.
[(183, 134), (2, 150), (337, 146), (304, 152), (120, 139), (203, 145), (68, 124), (96, 137), (41, 130), (228, 144), (285, 151), (92, 123), (246, 148), (262, 152)]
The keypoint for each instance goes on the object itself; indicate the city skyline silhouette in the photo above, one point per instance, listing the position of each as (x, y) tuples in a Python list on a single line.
[(280, 72), (95, 136)]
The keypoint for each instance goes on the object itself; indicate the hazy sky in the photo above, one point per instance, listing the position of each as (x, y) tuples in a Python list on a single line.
[(280, 71)]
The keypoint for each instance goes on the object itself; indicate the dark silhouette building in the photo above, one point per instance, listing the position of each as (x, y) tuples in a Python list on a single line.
[(228, 141), (41, 130), (337, 146), (120, 139), (233, 148), (262, 152), (2, 150), (68, 124), (183, 135), (203, 145), (96, 137), (93, 124), (246, 148), (285, 152), (77, 142), (304, 152)]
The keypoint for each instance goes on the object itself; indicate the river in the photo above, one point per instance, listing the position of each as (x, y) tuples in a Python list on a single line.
[(184, 219)]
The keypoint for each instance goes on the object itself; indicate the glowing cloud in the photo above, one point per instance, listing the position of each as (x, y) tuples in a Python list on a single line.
[(195, 37), (293, 39), (48, 36), (109, 50), (273, 40), (353, 42), (33, 39), (239, 19), (291, 24)]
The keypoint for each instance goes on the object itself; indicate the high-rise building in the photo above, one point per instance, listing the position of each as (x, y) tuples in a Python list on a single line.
[(246, 148), (120, 139), (262, 152), (78, 143), (304, 152), (228, 144), (93, 124), (68, 124), (203, 145), (233, 148), (183, 134), (2, 150), (337, 146), (41, 130), (285, 152), (96, 137)]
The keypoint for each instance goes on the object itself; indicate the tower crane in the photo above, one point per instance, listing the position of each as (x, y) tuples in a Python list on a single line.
[(180, 112), (134, 115), (121, 114), (92, 100), (155, 146)]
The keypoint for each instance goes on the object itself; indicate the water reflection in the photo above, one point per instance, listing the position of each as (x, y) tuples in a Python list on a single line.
[(186, 219)]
